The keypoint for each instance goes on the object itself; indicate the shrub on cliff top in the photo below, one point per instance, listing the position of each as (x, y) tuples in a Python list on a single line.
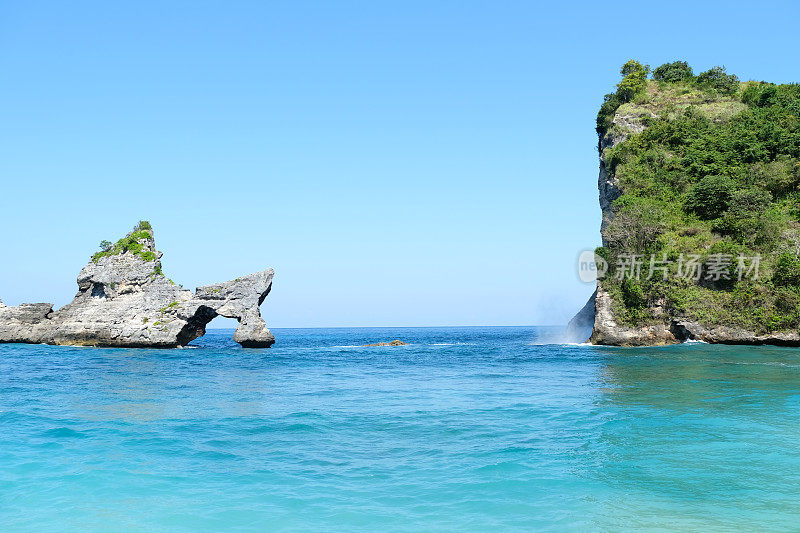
[(719, 79), (759, 94), (675, 71)]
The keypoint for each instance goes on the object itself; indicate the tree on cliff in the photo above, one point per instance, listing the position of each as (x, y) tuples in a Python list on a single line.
[(634, 80)]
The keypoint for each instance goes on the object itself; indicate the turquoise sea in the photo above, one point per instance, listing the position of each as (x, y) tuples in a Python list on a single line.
[(465, 429)]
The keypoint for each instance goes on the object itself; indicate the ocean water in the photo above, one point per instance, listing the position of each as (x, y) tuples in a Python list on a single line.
[(464, 429)]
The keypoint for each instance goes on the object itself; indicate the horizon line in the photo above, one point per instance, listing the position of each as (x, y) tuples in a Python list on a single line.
[(406, 327)]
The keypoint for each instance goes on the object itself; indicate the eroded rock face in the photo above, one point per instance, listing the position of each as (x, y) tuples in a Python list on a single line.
[(608, 331), (124, 300), (729, 335), (623, 126)]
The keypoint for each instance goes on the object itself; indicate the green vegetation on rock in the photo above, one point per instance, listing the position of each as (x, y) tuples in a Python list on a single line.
[(675, 71), (171, 305), (131, 243), (712, 170)]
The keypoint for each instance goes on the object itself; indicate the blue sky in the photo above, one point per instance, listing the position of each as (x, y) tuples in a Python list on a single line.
[(397, 163)]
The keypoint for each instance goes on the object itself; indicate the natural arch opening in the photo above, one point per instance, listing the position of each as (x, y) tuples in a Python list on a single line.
[(222, 323)]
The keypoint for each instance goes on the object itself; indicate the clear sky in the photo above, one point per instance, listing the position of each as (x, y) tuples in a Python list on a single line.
[(397, 163)]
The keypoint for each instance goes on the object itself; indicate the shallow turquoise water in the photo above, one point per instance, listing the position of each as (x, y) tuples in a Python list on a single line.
[(466, 429)]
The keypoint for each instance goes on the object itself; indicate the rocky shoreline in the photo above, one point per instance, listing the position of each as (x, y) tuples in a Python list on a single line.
[(124, 300), (597, 324)]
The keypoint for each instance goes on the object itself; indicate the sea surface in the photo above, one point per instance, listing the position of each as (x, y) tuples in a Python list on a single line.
[(464, 429)]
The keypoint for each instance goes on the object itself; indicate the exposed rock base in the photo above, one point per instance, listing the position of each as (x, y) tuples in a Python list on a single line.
[(124, 300), (675, 330), (608, 331)]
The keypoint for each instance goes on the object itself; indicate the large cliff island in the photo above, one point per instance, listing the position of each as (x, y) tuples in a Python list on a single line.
[(124, 299), (700, 197)]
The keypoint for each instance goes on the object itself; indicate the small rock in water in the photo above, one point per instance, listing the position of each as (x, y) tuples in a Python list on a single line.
[(393, 343)]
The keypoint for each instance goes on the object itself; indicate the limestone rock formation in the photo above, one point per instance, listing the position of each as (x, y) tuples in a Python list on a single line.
[(124, 299), (608, 331), (597, 316)]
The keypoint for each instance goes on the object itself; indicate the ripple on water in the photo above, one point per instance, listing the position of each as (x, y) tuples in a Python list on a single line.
[(64, 433)]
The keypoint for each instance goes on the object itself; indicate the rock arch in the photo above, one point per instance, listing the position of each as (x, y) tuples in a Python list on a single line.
[(124, 299)]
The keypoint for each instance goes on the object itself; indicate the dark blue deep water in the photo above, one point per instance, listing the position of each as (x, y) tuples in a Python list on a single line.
[(465, 429)]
